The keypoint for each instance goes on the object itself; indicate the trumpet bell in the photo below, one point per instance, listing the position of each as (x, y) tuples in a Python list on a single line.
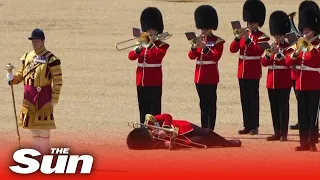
[(145, 44), (268, 52), (150, 118), (304, 45), (236, 32), (293, 27), (193, 42), (145, 40)]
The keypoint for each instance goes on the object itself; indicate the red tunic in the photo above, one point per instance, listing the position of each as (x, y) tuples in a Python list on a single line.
[(165, 120), (249, 66), (149, 70), (308, 69), (293, 72), (206, 71), (279, 75)]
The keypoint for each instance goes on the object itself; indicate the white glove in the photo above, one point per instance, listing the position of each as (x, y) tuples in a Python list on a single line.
[(239, 36), (53, 104), (9, 76)]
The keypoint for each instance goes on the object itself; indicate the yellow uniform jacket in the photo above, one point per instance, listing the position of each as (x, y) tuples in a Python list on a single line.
[(42, 77)]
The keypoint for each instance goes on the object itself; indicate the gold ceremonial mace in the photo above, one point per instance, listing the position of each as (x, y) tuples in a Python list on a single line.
[(9, 68)]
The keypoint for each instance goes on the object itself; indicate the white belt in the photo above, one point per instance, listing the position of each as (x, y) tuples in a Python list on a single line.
[(249, 57), (277, 67), (307, 68), (205, 62), (148, 65)]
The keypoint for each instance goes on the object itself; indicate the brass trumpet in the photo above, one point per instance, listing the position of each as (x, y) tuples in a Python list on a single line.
[(292, 25), (303, 44), (194, 41), (144, 40), (172, 132), (237, 32), (172, 136), (269, 51)]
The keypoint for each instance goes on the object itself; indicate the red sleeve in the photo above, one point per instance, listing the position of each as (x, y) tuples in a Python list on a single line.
[(158, 52), (266, 62), (132, 55), (164, 119), (290, 59), (214, 52), (234, 46), (315, 55), (255, 47), (193, 54), (288, 51)]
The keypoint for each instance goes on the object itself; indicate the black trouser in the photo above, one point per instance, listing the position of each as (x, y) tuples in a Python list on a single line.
[(149, 99), (308, 112), (249, 92), (207, 137), (208, 104), (279, 103)]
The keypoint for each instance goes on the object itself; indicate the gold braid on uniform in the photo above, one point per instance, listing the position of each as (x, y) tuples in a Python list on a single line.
[(56, 74), (47, 76), (219, 40)]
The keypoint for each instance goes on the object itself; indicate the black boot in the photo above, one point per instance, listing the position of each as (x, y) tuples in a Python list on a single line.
[(274, 137), (294, 127), (283, 138), (313, 148), (254, 131), (244, 131), (302, 147)]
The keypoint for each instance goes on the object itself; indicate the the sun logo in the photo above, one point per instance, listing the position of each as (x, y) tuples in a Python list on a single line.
[(65, 163)]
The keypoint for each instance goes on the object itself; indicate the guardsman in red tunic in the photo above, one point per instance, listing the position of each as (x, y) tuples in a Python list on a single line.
[(141, 138), (149, 70), (307, 64), (303, 5), (249, 67), (207, 52), (279, 75)]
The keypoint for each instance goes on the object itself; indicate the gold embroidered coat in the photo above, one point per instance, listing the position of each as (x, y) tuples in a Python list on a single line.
[(42, 77)]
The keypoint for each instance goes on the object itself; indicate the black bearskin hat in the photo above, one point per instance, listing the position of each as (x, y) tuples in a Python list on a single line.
[(308, 4), (279, 23), (151, 18), (206, 17), (140, 139), (254, 11), (309, 18)]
